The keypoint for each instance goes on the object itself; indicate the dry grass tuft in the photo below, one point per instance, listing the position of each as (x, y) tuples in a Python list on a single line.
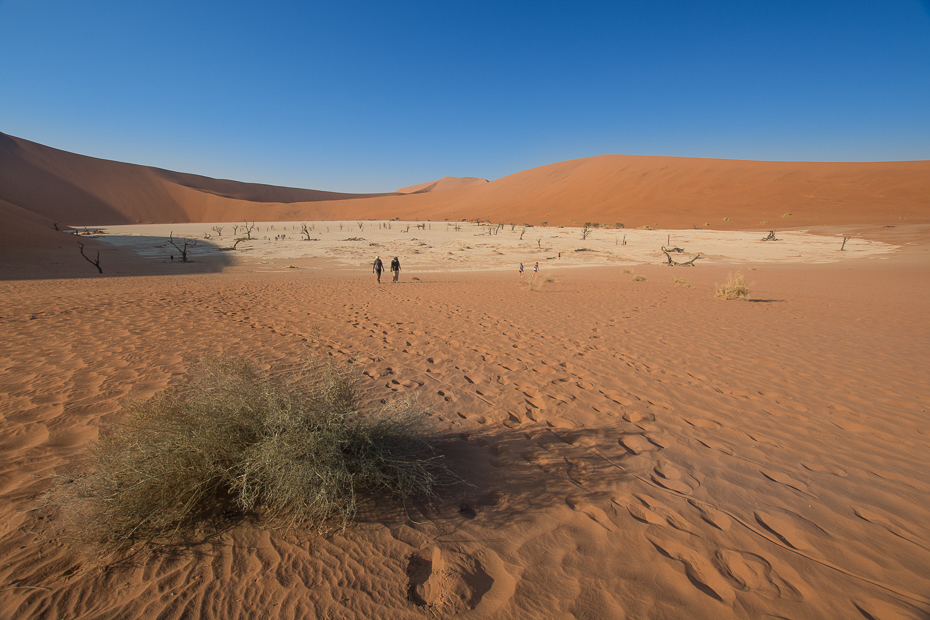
[(296, 452), (639, 278), (735, 287)]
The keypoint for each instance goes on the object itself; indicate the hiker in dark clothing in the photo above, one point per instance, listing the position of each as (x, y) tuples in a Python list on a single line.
[(378, 268), (395, 268)]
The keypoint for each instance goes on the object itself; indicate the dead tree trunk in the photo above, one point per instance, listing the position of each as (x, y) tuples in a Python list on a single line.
[(183, 247), (843, 247), (95, 263)]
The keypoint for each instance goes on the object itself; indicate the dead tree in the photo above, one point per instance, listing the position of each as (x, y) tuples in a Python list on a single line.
[(187, 243), (361, 225), (248, 230), (523, 232), (843, 247), (95, 263), (674, 263), (585, 231), (770, 236), (55, 224), (218, 230), (304, 230)]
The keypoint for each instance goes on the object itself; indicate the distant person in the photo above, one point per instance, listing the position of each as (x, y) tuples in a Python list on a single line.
[(521, 269), (395, 268), (378, 267), (536, 269)]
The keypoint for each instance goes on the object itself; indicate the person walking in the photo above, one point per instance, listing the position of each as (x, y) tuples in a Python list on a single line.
[(536, 269), (378, 267), (395, 268), (521, 269)]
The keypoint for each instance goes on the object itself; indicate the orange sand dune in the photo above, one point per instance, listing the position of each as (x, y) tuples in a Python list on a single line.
[(663, 192), (442, 184), (76, 190)]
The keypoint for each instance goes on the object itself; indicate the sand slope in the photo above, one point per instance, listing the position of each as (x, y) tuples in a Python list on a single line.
[(442, 184), (661, 192)]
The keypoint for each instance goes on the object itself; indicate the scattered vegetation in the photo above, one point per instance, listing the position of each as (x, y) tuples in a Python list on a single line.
[(787, 215), (232, 441), (735, 287), (682, 282), (639, 278)]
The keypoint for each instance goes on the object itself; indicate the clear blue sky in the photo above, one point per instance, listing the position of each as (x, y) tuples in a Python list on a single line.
[(371, 96)]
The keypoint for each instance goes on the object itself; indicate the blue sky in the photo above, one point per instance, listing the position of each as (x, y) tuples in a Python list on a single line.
[(372, 96)]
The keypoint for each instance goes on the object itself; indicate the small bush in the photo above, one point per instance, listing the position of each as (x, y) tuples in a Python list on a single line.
[(296, 452), (638, 278), (735, 287)]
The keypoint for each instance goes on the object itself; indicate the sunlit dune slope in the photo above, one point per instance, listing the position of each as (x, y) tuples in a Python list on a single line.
[(442, 184), (663, 192)]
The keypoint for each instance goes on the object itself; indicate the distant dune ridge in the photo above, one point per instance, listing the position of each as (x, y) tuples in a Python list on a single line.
[(664, 192), (442, 184)]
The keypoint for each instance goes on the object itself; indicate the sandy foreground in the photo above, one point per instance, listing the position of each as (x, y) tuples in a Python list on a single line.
[(635, 449)]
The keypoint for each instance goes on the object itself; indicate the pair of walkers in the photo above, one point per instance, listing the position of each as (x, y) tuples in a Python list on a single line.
[(378, 267)]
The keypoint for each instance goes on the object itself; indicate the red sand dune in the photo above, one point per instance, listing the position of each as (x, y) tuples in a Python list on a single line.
[(664, 192), (442, 184)]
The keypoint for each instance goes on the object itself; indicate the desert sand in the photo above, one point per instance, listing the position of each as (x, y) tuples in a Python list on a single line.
[(633, 448)]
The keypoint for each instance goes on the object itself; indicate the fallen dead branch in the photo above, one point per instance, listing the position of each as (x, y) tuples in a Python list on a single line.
[(673, 263)]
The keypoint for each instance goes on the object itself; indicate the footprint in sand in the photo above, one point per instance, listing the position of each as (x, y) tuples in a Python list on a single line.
[(784, 530), (704, 423), (830, 469), (456, 582), (785, 479), (700, 571), (635, 417), (716, 445), (872, 516), (617, 397), (637, 444), (874, 609), (753, 573), (711, 515), (668, 476), (578, 471), (580, 504)]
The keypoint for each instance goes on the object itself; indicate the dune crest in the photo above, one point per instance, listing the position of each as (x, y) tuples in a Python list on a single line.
[(442, 184)]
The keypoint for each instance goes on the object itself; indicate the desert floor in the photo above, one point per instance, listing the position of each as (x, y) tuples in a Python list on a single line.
[(634, 449)]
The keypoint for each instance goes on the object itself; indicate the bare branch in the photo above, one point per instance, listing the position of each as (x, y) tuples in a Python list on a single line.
[(95, 263)]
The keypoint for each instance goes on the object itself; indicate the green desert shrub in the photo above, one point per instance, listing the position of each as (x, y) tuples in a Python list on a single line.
[(735, 287), (295, 452)]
